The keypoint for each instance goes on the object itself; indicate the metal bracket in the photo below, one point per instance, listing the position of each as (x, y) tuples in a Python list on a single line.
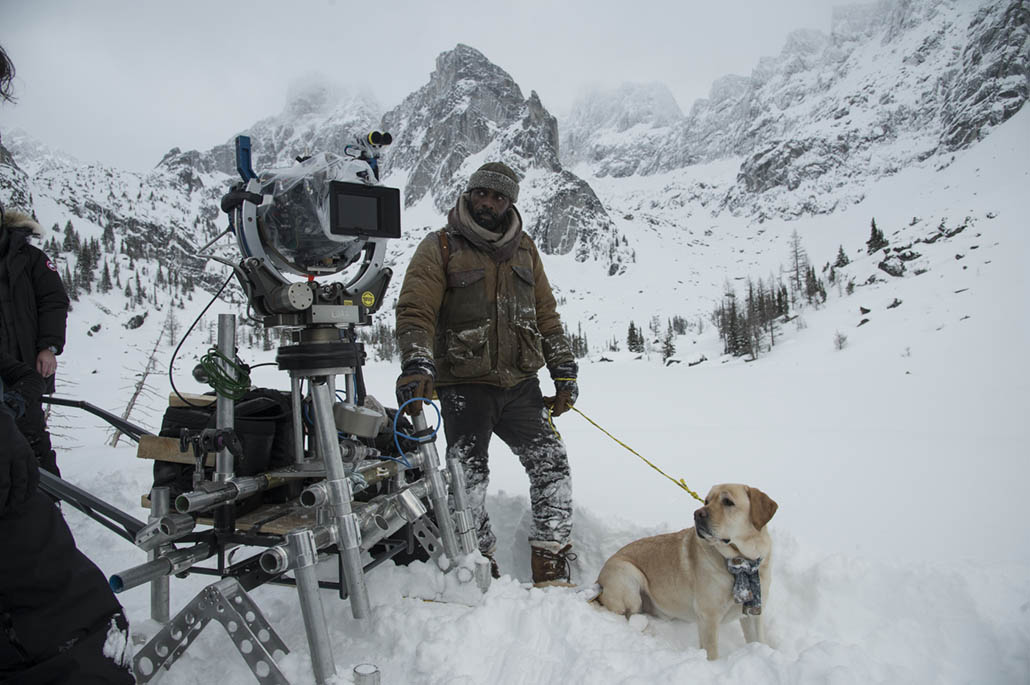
[(227, 603), (428, 535)]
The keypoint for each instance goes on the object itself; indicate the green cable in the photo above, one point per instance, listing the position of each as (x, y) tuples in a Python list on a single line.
[(228, 377)]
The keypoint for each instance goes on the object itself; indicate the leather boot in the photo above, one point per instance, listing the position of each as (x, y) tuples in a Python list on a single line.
[(495, 570), (551, 562)]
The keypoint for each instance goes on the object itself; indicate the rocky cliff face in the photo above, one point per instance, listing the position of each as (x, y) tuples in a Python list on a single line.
[(895, 82), (14, 188), (472, 111)]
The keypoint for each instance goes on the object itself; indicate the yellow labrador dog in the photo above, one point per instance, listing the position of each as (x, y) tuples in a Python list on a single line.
[(709, 574)]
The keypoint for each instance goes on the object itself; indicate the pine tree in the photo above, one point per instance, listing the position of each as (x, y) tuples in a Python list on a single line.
[(69, 283), (634, 339), (842, 259), (71, 239), (108, 237), (668, 344), (798, 262), (105, 280), (876, 241)]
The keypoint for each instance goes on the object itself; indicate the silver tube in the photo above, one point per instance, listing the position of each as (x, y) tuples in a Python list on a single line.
[(466, 531), (176, 524), (437, 491), (340, 497), (173, 562), (198, 500), (240, 488), (296, 402), (224, 470), (366, 674), (283, 558), (302, 547), (387, 514), (315, 495), (160, 503)]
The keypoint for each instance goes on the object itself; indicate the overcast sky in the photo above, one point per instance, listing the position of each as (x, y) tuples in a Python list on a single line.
[(122, 82)]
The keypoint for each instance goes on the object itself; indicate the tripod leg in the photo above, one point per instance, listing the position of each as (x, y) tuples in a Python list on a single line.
[(437, 492), (466, 532), (340, 498), (302, 545), (160, 504)]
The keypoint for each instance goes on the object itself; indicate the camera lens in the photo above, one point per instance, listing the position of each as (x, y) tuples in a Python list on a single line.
[(387, 138), (375, 137)]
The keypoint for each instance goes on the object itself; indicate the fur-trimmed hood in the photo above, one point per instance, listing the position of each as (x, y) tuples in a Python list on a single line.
[(15, 220)]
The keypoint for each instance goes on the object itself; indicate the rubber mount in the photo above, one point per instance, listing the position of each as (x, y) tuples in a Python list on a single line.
[(320, 356)]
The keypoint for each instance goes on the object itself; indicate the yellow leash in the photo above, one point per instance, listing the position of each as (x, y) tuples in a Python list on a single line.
[(679, 482)]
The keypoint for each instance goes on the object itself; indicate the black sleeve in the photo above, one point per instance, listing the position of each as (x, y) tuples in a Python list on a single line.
[(51, 302), (20, 377)]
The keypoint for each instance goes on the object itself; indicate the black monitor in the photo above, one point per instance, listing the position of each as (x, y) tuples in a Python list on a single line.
[(366, 211)]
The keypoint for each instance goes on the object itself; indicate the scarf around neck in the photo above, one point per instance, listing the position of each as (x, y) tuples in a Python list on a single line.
[(500, 246)]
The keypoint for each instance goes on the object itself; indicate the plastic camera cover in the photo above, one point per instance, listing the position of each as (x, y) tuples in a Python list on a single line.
[(294, 227)]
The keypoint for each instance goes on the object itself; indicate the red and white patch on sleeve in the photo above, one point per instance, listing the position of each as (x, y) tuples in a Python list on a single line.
[(50, 265)]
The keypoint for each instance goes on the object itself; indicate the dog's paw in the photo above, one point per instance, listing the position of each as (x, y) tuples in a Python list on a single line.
[(638, 622)]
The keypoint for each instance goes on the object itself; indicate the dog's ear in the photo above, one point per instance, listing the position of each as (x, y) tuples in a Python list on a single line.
[(762, 507)]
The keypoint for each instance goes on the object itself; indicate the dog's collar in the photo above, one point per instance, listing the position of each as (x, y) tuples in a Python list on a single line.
[(747, 587)]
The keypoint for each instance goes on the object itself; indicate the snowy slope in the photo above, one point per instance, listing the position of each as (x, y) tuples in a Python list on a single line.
[(898, 462)]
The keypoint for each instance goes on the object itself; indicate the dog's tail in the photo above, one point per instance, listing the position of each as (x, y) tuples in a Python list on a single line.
[(592, 593)]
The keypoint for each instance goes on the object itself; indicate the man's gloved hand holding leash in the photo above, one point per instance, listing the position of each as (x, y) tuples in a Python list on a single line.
[(416, 380), (566, 391)]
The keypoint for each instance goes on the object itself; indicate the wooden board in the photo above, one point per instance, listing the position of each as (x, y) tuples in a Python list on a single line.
[(167, 449), (190, 400)]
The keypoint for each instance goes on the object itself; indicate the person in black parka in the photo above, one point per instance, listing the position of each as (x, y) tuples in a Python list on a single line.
[(60, 624), (33, 301), (59, 621)]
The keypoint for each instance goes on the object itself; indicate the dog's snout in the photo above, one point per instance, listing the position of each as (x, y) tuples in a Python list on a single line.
[(701, 514)]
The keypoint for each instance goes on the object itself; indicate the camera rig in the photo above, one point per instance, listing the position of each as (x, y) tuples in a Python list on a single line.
[(345, 497)]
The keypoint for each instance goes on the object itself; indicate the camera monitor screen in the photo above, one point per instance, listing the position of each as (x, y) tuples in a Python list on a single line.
[(366, 211)]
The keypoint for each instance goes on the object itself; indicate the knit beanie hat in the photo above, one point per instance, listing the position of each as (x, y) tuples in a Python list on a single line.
[(496, 176)]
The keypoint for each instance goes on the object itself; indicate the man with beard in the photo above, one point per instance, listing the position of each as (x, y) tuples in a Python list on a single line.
[(476, 320)]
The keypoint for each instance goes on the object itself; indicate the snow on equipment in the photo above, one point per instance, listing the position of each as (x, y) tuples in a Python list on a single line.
[(301, 476)]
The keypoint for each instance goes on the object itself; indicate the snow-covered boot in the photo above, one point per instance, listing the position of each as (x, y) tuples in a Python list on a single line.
[(551, 562), (495, 570)]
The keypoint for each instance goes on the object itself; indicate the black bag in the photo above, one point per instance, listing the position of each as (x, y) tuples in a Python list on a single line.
[(263, 423)]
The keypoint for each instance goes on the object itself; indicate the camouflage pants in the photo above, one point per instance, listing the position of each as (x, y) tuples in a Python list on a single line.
[(472, 413)]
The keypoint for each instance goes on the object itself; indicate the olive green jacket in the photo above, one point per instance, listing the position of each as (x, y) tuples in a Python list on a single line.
[(482, 321)]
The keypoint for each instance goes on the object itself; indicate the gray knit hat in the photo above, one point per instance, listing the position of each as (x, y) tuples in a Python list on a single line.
[(496, 176)]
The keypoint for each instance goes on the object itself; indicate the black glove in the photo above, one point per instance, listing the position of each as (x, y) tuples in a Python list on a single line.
[(19, 471), (416, 380), (566, 390)]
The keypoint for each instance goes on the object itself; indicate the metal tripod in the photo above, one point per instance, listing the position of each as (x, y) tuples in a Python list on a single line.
[(320, 357)]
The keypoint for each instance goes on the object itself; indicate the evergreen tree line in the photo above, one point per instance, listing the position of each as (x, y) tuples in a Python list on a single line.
[(93, 269), (638, 343), (751, 327)]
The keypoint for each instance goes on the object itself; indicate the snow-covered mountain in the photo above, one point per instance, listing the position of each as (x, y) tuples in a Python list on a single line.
[(900, 84), (895, 82), (471, 112)]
